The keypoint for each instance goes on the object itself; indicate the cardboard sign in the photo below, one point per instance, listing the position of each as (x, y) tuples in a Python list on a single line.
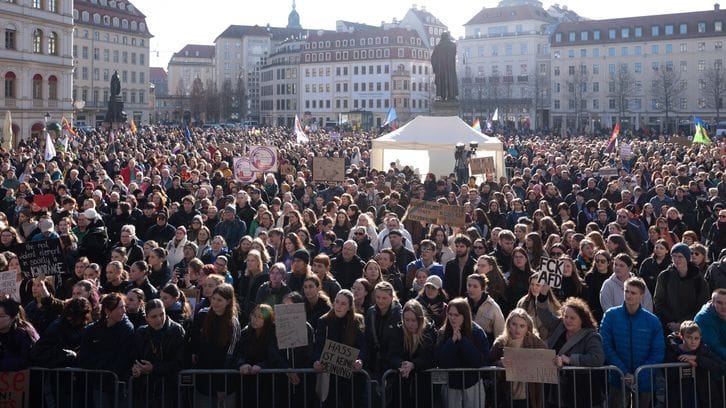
[(608, 172), (424, 211), (263, 159), (287, 169), (41, 258), (338, 359), (482, 165), (531, 365), (550, 272), (243, 170), (14, 388), (8, 283), (452, 215), (680, 141), (625, 151), (329, 169), (290, 327)]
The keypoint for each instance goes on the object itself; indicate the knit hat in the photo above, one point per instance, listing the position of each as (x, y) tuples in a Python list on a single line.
[(198, 218), (302, 255), (682, 249)]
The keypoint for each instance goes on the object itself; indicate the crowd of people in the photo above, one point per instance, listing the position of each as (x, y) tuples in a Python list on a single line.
[(173, 264)]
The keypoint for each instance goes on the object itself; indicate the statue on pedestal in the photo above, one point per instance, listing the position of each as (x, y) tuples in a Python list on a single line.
[(115, 113), (443, 61)]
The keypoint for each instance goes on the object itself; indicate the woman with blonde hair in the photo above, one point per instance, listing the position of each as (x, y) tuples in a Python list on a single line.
[(597, 239), (416, 356), (528, 302), (519, 332)]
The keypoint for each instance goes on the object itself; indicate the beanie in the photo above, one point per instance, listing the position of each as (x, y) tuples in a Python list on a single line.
[(302, 255), (682, 249)]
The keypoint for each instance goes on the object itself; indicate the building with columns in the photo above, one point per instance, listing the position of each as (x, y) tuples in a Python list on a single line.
[(110, 35), (36, 63)]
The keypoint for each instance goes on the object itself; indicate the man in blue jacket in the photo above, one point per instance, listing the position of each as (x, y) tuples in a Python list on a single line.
[(712, 321), (632, 337)]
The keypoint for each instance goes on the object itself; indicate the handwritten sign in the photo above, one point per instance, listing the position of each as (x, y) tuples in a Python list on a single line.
[(435, 213), (8, 283), (531, 365), (608, 172), (680, 141), (41, 258), (550, 272), (482, 165), (290, 326), (452, 215), (338, 359), (328, 169), (14, 388)]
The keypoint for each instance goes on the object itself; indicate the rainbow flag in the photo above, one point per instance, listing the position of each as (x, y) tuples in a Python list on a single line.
[(476, 125), (66, 125), (613, 142), (701, 136)]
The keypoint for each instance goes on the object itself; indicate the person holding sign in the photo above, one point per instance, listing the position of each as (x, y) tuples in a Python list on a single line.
[(575, 339), (519, 332), (341, 324), (462, 343), (528, 302)]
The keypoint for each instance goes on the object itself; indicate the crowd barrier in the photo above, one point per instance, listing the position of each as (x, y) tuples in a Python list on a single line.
[(486, 386), (678, 385), (73, 388)]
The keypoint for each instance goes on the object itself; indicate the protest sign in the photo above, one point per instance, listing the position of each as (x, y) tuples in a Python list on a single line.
[(287, 169), (625, 151), (243, 170), (550, 272), (263, 159), (43, 257), (338, 359), (531, 365), (290, 327), (452, 215), (424, 211), (608, 172), (328, 169), (14, 388), (482, 165), (8, 283)]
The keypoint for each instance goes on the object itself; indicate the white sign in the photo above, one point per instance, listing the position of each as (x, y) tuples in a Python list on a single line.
[(550, 272), (8, 283), (263, 158), (243, 170), (291, 326)]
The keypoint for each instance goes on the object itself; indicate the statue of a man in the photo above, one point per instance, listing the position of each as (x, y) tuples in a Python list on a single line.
[(115, 84), (443, 61)]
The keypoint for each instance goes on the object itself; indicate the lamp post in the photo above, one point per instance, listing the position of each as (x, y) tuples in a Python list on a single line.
[(47, 118)]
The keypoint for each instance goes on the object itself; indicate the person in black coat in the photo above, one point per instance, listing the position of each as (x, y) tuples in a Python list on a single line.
[(299, 391), (161, 232), (158, 354), (347, 267), (95, 241), (459, 268), (381, 321)]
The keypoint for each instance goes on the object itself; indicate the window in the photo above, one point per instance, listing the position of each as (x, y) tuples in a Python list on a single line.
[(583, 35), (595, 104), (684, 66), (571, 70), (624, 51), (557, 104), (84, 73), (655, 65), (611, 103), (52, 6), (52, 88), (638, 50), (683, 47), (557, 71), (611, 52), (571, 54), (654, 49), (37, 4), (683, 28), (718, 26), (669, 29), (684, 103), (655, 30), (38, 41), (611, 68), (718, 45), (625, 33), (10, 84), (596, 69), (701, 26), (596, 52), (701, 65), (612, 33), (583, 53), (638, 32), (638, 67), (596, 86), (571, 36), (558, 37), (669, 48), (669, 66), (701, 46), (37, 87), (596, 35)]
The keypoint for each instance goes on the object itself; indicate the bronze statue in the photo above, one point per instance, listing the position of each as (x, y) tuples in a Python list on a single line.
[(443, 61), (115, 112), (115, 84)]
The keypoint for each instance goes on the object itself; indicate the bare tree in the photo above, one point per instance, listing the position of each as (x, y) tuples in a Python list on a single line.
[(666, 90), (240, 98), (212, 108), (621, 88), (226, 96), (713, 88), (198, 99), (540, 84), (577, 85)]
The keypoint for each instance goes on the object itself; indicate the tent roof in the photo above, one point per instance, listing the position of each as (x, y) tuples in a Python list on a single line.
[(436, 131)]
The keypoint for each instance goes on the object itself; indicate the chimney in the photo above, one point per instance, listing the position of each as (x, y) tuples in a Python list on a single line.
[(717, 7)]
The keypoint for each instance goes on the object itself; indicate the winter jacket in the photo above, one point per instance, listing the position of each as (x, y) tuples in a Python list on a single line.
[(260, 351), (161, 277), (488, 315), (678, 299), (334, 329), (650, 269), (381, 331), (455, 278), (716, 275), (469, 352), (58, 346), (630, 341), (107, 348), (346, 272), (93, 244), (162, 234), (713, 329), (231, 231), (611, 294), (15, 348), (681, 387), (435, 308)]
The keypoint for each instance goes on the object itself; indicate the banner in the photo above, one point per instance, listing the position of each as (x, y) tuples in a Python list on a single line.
[(550, 272), (243, 170), (435, 213), (263, 159), (41, 258), (329, 169), (291, 326), (482, 165), (338, 359), (531, 365)]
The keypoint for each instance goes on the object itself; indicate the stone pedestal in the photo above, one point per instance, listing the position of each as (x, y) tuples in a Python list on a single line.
[(115, 113), (445, 108)]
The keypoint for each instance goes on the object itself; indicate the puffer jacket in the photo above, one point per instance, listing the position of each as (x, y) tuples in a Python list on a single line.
[(381, 333), (716, 275), (713, 329), (677, 299), (630, 341)]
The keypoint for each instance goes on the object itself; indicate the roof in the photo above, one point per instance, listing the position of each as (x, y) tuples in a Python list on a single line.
[(371, 32), (196, 51), (356, 26), (157, 74), (277, 33), (427, 18), (513, 13), (435, 131), (130, 13)]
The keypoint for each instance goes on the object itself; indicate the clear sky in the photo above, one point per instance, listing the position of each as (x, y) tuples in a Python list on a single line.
[(176, 23)]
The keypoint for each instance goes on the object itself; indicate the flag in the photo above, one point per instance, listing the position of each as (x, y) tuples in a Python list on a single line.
[(613, 142), (496, 115), (476, 125), (50, 152), (701, 136), (489, 126), (8, 139), (300, 136), (392, 116), (133, 126), (188, 135), (66, 125)]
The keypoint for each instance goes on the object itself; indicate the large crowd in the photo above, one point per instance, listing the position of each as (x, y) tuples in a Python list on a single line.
[(172, 264)]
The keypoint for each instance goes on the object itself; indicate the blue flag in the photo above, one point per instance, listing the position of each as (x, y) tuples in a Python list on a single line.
[(391, 116), (188, 135)]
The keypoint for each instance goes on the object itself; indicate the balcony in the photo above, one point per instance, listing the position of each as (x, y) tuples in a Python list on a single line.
[(38, 103), (10, 102)]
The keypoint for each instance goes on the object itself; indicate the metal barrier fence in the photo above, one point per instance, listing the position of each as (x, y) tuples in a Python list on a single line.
[(679, 385), (74, 388), (487, 387), (283, 388)]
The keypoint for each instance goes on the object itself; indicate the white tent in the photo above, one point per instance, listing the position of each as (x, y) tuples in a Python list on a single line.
[(427, 144)]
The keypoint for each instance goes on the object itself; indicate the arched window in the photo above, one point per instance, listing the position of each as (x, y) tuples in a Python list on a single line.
[(84, 16), (115, 21), (142, 27), (96, 18), (37, 87), (52, 88), (53, 43), (106, 20), (134, 26), (38, 41), (125, 24), (9, 84)]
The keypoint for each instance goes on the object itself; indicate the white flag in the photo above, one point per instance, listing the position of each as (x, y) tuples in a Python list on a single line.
[(496, 114), (49, 147), (300, 136)]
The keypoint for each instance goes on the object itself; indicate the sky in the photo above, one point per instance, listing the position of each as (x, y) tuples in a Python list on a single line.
[(175, 23)]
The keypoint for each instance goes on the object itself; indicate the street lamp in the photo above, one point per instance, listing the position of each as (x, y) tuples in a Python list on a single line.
[(47, 117)]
